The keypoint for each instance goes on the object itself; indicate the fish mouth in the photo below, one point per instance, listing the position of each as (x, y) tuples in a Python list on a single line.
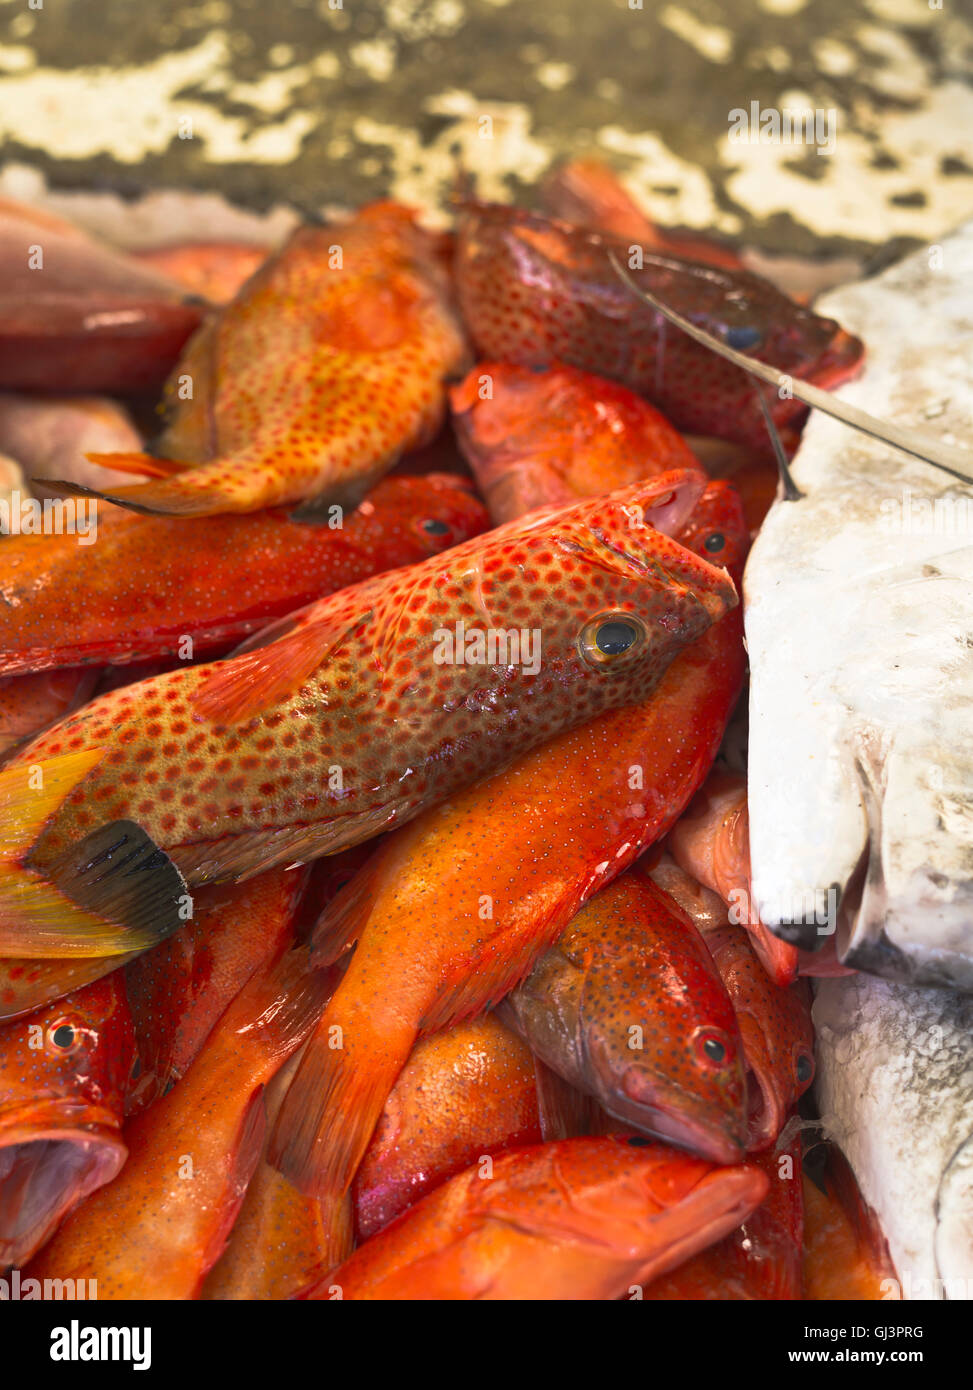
[(841, 360), (718, 1204), (677, 1122), (765, 1113), (51, 1158)]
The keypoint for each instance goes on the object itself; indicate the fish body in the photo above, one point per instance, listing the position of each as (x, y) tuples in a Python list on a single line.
[(763, 1258), (217, 270), (846, 1256), (533, 292), (711, 842), (895, 1092), (774, 1020), (77, 315), (465, 1093), (29, 703), (180, 988), (858, 623), (371, 707), (159, 586), (628, 1007), (63, 1074), (50, 437), (329, 364), (576, 1219), (452, 911), (534, 438), (156, 1231), (589, 194)]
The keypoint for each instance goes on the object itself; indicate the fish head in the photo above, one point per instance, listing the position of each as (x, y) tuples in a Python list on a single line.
[(612, 598), (63, 1074), (716, 529), (662, 1048), (778, 1038), (446, 511)]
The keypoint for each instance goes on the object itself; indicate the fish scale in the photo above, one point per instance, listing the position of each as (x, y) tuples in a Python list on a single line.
[(355, 685)]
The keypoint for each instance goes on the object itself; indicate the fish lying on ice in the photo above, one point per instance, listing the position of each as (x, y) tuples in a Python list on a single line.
[(895, 1090)]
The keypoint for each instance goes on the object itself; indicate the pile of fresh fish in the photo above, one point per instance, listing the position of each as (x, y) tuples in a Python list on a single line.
[(376, 907)]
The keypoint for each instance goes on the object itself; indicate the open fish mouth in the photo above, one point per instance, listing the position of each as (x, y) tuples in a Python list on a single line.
[(49, 1162)]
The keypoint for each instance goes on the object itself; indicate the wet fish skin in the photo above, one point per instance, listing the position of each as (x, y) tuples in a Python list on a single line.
[(466, 1092), (534, 291), (576, 1219), (329, 364), (368, 656), (535, 437), (895, 1092), (29, 703), (156, 1231), (154, 582), (627, 1006), (530, 843), (64, 1070)]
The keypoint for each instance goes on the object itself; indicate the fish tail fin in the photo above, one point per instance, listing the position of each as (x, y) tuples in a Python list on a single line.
[(146, 465), (111, 892), (208, 489), (333, 1104)]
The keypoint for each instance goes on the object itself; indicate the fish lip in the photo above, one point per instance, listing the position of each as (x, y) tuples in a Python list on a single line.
[(705, 1138), (93, 1130), (763, 1130)]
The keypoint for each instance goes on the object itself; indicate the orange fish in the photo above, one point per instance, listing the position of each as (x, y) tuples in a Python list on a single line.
[(329, 364), (762, 1258), (378, 701), (465, 1092), (577, 1219), (217, 270), (711, 842), (538, 437), (179, 989), (156, 586), (30, 703), (534, 292), (588, 193), (279, 1240), (77, 315), (162, 1224), (63, 1074), (628, 1007), (846, 1256), (452, 911), (775, 1021)]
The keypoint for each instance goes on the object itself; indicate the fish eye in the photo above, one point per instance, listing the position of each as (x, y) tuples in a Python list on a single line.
[(64, 1037), (714, 541), (712, 1048), (433, 527), (805, 1068), (611, 638), (743, 337)]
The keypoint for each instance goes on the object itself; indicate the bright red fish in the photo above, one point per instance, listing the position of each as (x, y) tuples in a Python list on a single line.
[(76, 315), (329, 364), (63, 1074), (628, 1007), (711, 843), (178, 990), (452, 911), (589, 194), (534, 292), (577, 1219), (30, 703), (156, 1231), (466, 1092), (538, 437), (217, 270), (775, 1021), (762, 1258), (156, 586), (381, 700)]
